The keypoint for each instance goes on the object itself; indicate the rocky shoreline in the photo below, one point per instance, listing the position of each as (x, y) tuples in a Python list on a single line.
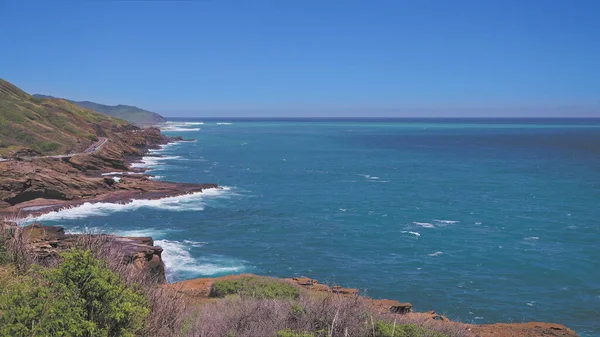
[(33, 187), (30, 188), (47, 242)]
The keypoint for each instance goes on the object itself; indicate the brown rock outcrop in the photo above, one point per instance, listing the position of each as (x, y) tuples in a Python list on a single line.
[(47, 242)]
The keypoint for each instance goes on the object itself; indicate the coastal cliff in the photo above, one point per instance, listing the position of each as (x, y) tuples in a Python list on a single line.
[(54, 155)]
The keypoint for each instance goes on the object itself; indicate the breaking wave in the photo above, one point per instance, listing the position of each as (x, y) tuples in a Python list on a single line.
[(424, 224), (152, 161), (446, 222), (180, 263), (416, 234), (188, 202)]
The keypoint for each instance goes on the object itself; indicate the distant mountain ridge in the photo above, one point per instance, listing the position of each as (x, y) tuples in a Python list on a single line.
[(130, 113)]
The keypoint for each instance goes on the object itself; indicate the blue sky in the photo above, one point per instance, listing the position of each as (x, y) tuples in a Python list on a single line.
[(310, 58)]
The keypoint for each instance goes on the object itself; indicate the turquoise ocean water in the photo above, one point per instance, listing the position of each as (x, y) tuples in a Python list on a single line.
[(481, 220)]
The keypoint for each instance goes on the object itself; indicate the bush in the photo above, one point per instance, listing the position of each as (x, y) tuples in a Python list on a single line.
[(255, 287), (80, 297)]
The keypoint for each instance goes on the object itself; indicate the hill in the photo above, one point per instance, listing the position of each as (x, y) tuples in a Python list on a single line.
[(48, 126), (132, 114)]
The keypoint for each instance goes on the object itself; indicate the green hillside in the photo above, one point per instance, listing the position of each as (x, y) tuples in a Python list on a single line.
[(47, 126), (129, 113)]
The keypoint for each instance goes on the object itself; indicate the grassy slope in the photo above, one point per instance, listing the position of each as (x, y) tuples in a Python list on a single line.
[(49, 126), (129, 113)]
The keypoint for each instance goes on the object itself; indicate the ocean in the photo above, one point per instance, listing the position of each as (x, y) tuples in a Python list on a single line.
[(491, 220)]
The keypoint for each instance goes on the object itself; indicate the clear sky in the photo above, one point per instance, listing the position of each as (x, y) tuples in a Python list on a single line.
[(310, 58)]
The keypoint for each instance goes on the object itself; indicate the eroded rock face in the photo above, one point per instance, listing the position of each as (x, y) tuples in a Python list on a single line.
[(47, 242)]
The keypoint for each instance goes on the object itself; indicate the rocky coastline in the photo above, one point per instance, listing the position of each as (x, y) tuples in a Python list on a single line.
[(34, 186), (31, 187), (47, 242)]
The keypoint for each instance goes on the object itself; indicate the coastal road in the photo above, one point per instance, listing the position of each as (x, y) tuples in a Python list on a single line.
[(93, 148)]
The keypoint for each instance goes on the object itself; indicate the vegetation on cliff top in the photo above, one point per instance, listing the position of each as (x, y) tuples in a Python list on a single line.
[(92, 293), (132, 114), (48, 126)]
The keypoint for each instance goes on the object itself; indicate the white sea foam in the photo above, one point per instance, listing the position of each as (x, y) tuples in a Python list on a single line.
[(157, 177), (153, 161), (446, 222), (188, 202), (424, 224), (369, 177), (178, 259), (436, 254), (416, 234), (154, 233), (223, 123), (532, 238), (195, 243), (119, 173), (179, 129), (116, 179), (193, 123)]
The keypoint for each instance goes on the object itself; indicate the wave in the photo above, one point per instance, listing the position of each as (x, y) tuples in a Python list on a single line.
[(424, 224), (188, 202), (117, 173), (157, 177), (152, 161), (436, 254), (369, 177), (446, 222), (178, 260), (223, 123), (179, 129), (532, 238), (416, 234)]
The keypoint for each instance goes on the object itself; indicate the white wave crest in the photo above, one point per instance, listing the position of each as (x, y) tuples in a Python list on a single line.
[(188, 202), (416, 234), (446, 222), (178, 129), (223, 123), (424, 224), (369, 177), (178, 259), (157, 177), (532, 238), (152, 161), (436, 254)]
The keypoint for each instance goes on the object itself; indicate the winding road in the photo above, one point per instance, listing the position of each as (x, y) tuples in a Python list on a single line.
[(93, 148)]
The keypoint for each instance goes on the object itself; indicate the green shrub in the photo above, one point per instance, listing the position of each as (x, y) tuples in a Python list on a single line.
[(93, 138), (45, 147), (256, 287), (293, 333), (80, 297), (384, 329)]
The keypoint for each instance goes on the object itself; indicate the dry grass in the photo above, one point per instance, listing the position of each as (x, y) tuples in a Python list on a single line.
[(322, 314)]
